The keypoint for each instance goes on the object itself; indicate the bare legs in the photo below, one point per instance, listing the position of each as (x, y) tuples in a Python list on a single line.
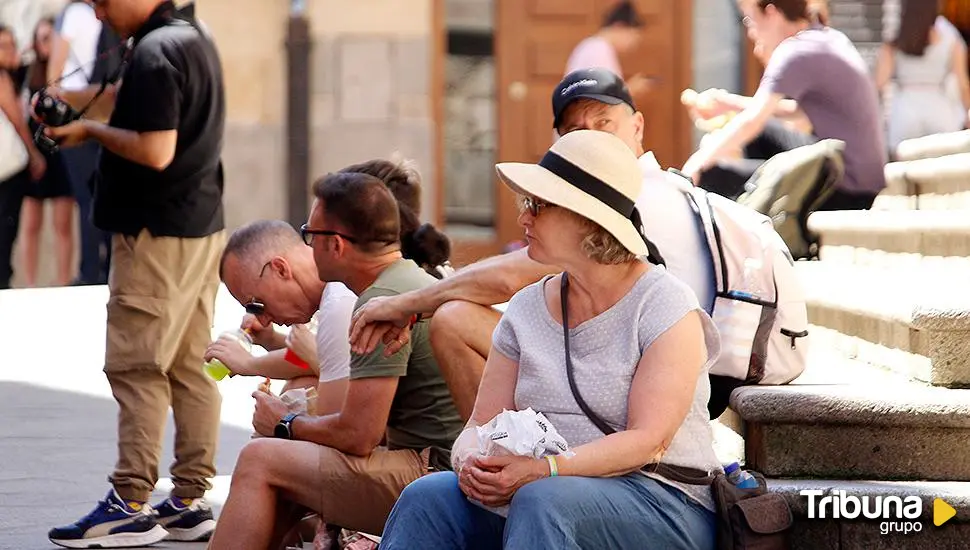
[(33, 214), (461, 336), (267, 471)]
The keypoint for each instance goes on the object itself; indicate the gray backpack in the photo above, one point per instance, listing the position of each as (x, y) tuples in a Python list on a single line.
[(789, 186)]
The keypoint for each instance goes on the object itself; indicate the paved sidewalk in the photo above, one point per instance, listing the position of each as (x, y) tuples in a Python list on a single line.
[(57, 416)]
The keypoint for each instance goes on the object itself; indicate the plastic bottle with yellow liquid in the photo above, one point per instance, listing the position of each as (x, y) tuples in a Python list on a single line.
[(215, 368)]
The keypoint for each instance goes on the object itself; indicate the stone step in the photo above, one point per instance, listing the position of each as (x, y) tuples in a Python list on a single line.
[(908, 322), (894, 239), (826, 365), (940, 183), (856, 431), (864, 534), (934, 146), (830, 365)]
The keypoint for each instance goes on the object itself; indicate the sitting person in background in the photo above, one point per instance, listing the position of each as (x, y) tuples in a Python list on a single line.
[(637, 348), (812, 71), (922, 61), (422, 243), (332, 464)]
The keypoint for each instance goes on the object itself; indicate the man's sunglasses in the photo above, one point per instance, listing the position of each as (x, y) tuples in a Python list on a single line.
[(254, 307), (308, 234)]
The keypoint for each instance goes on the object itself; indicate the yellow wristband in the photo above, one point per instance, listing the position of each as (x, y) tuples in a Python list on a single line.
[(553, 466)]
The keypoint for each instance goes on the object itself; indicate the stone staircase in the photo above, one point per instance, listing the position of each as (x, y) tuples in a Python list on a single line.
[(881, 409)]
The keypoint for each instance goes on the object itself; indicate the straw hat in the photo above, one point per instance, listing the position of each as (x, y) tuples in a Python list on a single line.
[(592, 173)]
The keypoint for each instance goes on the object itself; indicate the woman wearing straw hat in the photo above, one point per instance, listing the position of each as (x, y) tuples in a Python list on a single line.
[(636, 352)]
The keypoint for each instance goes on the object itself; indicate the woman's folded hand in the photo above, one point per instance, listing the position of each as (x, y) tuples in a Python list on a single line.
[(493, 480)]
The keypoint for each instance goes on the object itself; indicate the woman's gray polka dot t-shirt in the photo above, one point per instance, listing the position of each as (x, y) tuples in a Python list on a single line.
[(605, 351)]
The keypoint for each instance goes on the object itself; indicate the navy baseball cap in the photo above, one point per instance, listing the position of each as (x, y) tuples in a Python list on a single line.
[(599, 84)]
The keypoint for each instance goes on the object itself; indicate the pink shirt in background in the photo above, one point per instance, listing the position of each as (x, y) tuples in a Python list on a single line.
[(594, 53)]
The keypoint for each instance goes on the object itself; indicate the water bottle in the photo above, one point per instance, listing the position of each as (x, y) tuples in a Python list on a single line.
[(740, 478), (215, 368)]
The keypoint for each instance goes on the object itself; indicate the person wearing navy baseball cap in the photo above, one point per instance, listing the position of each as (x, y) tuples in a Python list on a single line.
[(597, 84)]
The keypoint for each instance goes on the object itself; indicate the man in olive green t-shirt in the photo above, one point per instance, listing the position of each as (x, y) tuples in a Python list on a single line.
[(423, 412), (332, 464)]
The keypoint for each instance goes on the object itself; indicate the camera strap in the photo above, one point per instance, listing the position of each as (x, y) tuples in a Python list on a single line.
[(108, 79)]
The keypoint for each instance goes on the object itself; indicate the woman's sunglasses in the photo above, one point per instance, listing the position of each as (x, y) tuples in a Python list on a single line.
[(533, 205)]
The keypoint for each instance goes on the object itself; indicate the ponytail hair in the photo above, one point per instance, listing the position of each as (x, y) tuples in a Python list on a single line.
[(421, 242)]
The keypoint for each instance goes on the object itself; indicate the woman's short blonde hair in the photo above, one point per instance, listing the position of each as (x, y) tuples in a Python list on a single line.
[(602, 247)]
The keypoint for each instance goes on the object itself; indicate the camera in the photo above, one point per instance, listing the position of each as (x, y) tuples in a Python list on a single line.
[(51, 112)]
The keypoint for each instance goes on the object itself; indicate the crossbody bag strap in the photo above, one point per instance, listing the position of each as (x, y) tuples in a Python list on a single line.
[(682, 474), (593, 417)]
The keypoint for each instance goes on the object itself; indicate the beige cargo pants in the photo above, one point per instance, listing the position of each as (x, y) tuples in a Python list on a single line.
[(160, 310)]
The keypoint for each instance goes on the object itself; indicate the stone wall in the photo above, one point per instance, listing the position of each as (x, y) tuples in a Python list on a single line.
[(370, 93), (371, 85), (251, 40)]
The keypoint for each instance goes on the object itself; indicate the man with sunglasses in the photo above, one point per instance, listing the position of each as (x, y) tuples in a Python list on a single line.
[(332, 464), (269, 269)]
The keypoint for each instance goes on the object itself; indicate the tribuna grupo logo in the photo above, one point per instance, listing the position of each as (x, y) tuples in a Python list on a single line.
[(897, 514)]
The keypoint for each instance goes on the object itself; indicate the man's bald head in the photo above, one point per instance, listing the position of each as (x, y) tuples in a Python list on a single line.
[(255, 243)]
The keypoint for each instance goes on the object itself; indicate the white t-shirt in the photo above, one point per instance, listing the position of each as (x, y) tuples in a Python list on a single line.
[(670, 223), (82, 30), (594, 53), (333, 329)]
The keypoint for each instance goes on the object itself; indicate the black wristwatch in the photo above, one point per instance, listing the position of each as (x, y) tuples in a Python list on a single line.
[(283, 428)]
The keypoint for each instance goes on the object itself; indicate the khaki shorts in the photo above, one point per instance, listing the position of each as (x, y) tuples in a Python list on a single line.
[(357, 493)]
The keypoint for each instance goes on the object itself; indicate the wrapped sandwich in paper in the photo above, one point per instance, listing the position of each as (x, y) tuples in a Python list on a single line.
[(519, 433)]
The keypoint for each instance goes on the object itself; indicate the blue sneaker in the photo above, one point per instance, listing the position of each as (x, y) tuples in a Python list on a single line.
[(186, 519), (113, 523)]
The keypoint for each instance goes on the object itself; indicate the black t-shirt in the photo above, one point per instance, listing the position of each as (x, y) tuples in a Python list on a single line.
[(173, 81)]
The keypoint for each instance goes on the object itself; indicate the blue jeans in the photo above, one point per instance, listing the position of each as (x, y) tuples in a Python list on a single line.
[(632, 511)]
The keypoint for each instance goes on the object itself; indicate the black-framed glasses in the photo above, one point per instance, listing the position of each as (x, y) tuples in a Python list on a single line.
[(308, 234), (533, 205), (254, 306)]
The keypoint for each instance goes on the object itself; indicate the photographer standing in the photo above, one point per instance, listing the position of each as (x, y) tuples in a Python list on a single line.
[(160, 194)]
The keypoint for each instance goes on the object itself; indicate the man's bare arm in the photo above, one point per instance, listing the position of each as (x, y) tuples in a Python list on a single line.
[(785, 109), (486, 282), (155, 150), (102, 106), (360, 425)]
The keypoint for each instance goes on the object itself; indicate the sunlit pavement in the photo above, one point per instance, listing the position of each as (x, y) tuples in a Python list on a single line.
[(57, 416)]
